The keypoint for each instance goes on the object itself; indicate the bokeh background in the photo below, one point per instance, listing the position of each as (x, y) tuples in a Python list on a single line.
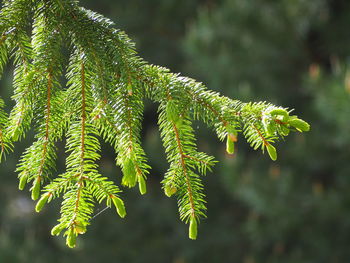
[(293, 53)]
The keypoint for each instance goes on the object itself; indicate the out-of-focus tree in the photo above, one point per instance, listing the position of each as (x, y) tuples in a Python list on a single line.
[(295, 52)]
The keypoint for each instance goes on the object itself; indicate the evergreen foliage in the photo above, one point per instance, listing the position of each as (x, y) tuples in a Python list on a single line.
[(103, 97)]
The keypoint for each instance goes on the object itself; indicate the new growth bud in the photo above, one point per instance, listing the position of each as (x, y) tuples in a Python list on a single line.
[(281, 112), (56, 230), (129, 172), (169, 190), (119, 205), (22, 182), (36, 189), (299, 124), (71, 238), (230, 144), (272, 152), (79, 228), (42, 201), (192, 234), (142, 185), (231, 139)]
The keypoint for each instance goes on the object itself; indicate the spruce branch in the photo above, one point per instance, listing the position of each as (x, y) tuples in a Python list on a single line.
[(106, 85)]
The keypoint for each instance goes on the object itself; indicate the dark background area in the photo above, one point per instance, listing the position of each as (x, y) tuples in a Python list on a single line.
[(293, 53)]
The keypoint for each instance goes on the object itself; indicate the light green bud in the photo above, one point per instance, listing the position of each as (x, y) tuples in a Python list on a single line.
[(119, 205), (192, 234), (169, 190), (71, 239), (79, 228), (56, 230), (142, 185), (42, 201), (36, 189), (299, 124), (129, 172), (230, 145), (22, 182), (272, 152), (279, 111)]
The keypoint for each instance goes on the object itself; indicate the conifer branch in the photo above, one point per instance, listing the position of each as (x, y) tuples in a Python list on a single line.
[(48, 111), (184, 168), (83, 119), (106, 86)]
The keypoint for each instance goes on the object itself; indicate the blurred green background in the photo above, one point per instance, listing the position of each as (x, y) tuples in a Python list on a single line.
[(293, 53)]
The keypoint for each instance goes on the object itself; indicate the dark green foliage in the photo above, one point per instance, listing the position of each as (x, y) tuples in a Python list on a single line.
[(104, 98)]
